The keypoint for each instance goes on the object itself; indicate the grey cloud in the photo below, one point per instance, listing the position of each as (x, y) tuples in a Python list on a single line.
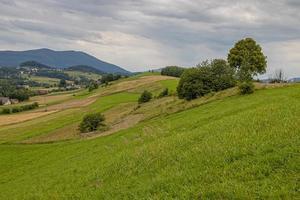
[(164, 32)]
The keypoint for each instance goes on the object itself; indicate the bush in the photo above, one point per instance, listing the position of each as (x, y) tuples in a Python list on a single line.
[(6, 111), (29, 106), (91, 122), (145, 97), (246, 88), (207, 77), (92, 86), (164, 93), (20, 94), (172, 71), (16, 110)]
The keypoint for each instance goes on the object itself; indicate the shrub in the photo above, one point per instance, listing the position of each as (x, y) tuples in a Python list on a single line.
[(145, 97), (172, 71), (6, 111), (92, 86), (246, 88), (16, 110), (20, 94), (91, 122), (164, 93), (207, 77), (29, 106)]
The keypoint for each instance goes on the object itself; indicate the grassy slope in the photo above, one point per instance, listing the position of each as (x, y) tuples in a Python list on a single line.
[(239, 147), (78, 74), (58, 120)]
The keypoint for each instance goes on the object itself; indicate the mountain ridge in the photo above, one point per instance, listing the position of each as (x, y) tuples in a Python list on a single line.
[(58, 59)]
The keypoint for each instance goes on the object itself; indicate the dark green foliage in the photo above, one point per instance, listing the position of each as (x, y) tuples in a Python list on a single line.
[(34, 64), (206, 78), (145, 97), (62, 83), (172, 71), (222, 75), (8, 88), (106, 78), (164, 93), (20, 94), (17, 109), (85, 68), (6, 111), (246, 88), (9, 73), (53, 74), (91, 122), (92, 86), (247, 58)]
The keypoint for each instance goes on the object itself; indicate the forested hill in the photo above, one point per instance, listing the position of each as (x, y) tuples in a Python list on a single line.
[(84, 68), (58, 59)]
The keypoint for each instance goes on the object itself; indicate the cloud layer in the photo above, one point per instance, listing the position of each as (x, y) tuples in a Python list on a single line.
[(143, 34)]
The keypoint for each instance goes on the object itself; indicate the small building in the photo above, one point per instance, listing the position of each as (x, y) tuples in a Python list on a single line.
[(23, 86), (42, 92), (5, 101)]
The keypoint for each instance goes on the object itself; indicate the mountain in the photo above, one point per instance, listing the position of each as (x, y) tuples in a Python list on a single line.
[(294, 80), (58, 59), (84, 68)]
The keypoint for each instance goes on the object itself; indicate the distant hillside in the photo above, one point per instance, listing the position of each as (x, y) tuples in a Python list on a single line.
[(85, 68), (59, 59), (34, 64), (294, 80)]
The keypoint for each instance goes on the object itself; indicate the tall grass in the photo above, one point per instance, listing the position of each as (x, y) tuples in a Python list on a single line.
[(241, 147)]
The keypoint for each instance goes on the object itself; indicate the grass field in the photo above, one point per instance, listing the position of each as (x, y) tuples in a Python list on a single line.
[(78, 74), (46, 80), (220, 147)]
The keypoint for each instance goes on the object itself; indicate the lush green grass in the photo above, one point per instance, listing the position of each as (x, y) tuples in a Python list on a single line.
[(170, 84), (45, 125), (241, 147)]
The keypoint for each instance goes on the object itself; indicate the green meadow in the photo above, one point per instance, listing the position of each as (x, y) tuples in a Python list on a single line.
[(233, 147)]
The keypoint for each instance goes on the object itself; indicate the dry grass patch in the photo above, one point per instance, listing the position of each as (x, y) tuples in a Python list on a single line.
[(21, 117), (132, 84), (65, 133)]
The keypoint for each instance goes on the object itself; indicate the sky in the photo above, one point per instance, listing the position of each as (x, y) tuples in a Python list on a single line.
[(142, 34)]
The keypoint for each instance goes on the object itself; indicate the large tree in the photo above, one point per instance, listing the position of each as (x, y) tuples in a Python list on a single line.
[(247, 58)]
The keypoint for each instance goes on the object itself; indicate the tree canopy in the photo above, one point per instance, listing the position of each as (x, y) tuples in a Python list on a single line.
[(247, 58), (172, 71), (207, 77), (145, 97)]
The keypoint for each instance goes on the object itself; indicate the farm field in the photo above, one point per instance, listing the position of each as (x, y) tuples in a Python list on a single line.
[(221, 146)]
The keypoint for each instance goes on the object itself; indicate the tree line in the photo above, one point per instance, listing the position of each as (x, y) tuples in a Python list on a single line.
[(244, 61)]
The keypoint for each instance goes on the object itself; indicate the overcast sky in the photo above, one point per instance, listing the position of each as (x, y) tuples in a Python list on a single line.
[(139, 35)]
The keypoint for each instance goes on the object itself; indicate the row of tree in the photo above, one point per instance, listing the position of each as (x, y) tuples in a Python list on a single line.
[(8, 88), (244, 61)]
